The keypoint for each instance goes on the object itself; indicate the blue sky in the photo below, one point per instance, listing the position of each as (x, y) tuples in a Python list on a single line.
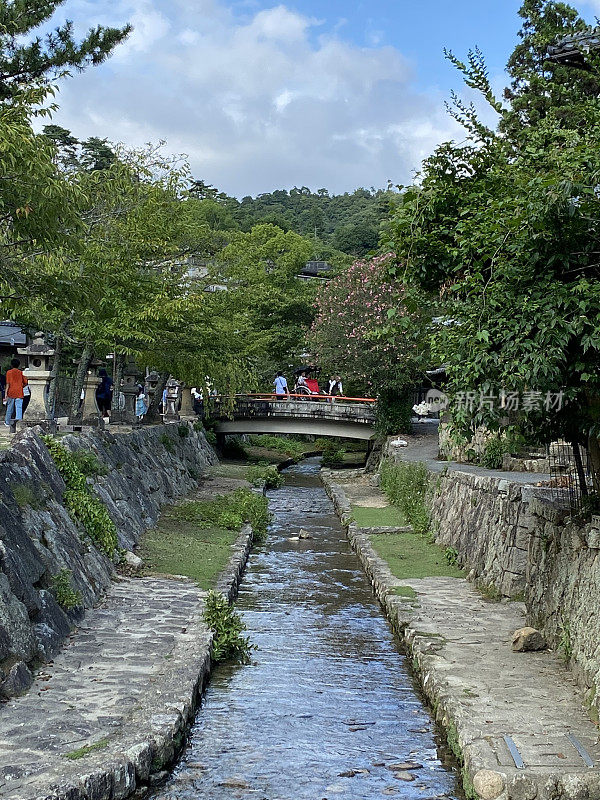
[(263, 95)]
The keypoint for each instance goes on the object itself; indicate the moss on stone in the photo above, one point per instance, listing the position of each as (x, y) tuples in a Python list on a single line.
[(81, 752), (404, 591)]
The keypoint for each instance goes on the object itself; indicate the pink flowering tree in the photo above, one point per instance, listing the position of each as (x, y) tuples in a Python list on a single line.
[(371, 331)]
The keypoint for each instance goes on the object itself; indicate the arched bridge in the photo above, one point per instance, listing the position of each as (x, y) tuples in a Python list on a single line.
[(319, 415)]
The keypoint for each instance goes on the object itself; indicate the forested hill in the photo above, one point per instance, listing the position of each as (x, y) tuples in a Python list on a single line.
[(347, 222)]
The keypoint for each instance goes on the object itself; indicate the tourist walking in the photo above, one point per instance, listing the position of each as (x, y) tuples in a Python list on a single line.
[(141, 404), (280, 385), (13, 400), (335, 387), (104, 393)]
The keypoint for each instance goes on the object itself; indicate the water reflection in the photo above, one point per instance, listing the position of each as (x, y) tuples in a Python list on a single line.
[(327, 708)]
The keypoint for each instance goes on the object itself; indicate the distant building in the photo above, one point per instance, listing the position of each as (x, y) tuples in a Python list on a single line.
[(571, 50), (11, 337), (316, 269)]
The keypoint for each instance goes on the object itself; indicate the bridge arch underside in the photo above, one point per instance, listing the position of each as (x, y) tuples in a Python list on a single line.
[(314, 427)]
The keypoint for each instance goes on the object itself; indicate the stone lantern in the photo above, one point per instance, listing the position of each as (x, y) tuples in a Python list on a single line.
[(171, 413), (129, 389), (151, 383), (187, 403), (37, 373), (90, 413)]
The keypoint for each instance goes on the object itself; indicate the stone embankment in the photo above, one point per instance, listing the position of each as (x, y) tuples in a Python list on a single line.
[(106, 718), (38, 539), (516, 721)]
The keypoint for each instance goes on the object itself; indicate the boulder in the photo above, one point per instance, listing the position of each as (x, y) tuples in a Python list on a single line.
[(18, 680), (527, 639), (488, 784), (133, 560)]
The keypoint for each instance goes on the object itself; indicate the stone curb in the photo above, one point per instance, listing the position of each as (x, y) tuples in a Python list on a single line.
[(481, 775), (138, 761)]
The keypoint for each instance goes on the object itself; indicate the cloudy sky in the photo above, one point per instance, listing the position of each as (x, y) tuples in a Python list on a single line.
[(263, 95)]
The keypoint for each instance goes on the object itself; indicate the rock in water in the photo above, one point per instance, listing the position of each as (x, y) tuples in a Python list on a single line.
[(304, 534), (527, 639)]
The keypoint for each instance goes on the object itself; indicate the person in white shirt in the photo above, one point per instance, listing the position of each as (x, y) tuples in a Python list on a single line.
[(280, 385)]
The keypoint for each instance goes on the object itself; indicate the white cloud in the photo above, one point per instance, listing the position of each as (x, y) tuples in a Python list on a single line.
[(258, 102)]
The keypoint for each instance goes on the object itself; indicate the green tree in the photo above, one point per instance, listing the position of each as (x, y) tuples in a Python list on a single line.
[(261, 268), (504, 232), (28, 60)]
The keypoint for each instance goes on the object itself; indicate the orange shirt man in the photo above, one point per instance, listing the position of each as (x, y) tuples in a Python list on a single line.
[(13, 399)]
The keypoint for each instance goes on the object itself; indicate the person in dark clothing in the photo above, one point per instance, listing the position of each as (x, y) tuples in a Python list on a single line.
[(104, 392)]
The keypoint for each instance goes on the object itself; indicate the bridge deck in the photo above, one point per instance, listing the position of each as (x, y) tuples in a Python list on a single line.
[(300, 414)]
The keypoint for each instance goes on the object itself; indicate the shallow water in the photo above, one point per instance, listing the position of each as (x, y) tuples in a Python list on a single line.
[(327, 705)]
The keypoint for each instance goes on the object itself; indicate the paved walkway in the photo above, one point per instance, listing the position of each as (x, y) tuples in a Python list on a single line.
[(426, 448), (476, 683), (127, 675)]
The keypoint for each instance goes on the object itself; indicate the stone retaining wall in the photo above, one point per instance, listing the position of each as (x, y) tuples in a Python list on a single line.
[(146, 468)]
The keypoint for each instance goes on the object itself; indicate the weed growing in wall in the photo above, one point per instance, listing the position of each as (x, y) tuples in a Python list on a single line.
[(66, 596), (81, 503), (167, 443), (26, 496), (226, 624), (183, 431), (88, 463), (405, 485)]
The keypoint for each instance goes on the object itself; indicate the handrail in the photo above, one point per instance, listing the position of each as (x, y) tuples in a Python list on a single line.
[(317, 397)]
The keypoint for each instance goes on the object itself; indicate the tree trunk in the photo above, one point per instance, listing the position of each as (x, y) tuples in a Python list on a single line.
[(53, 388), (82, 368), (594, 453), (152, 414), (119, 362)]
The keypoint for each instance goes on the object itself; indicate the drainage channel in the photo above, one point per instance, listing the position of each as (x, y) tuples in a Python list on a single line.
[(327, 709)]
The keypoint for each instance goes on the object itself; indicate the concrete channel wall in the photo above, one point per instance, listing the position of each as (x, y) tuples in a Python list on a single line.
[(512, 539), (145, 469)]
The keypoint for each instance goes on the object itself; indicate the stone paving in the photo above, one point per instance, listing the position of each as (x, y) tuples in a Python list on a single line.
[(484, 691), (111, 711)]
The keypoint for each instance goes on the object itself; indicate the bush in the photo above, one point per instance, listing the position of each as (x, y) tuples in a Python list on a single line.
[(280, 444), (234, 448), (265, 476), (66, 596), (393, 413), (183, 430), (333, 454), (211, 438), (228, 511), (88, 463), (227, 627), (493, 453), (405, 485), (83, 506)]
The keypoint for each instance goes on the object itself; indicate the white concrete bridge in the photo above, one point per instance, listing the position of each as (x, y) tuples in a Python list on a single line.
[(319, 415)]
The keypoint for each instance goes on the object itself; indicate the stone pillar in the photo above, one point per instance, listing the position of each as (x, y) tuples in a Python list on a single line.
[(90, 413), (187, 403), (171, 413), (37, 372)]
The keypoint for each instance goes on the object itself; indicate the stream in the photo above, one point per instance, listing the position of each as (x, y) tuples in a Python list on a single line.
[(328, 706)]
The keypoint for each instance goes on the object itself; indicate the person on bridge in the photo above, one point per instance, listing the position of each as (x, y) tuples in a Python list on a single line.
[(280, 385), (335, 386)]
